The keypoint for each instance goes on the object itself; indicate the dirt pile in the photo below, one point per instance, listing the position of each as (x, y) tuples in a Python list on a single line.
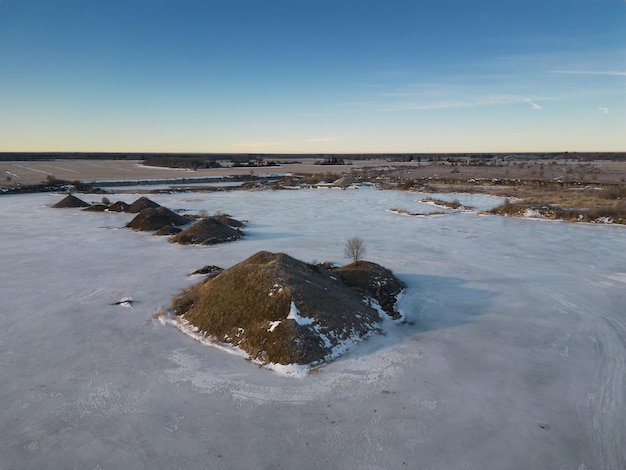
[(119, 206), (374, 281), (207, 231), (141, 204), (70, 201), (151, 219), (279, 310)]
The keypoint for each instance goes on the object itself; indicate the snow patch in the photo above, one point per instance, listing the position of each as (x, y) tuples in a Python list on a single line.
[(126, 302), (273, 325), (532, 214), (294, 314)]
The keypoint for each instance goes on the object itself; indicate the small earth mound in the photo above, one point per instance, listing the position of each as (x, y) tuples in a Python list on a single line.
[(150, 219), (278, 309), (70, 201), (374, 281), (208, 231), (168, 230), (141, 204), (119, 206), (228, 220), (96, 208)]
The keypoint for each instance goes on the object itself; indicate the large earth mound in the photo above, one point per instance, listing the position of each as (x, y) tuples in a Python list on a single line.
[(279, 310), (151, 219), (70, 201), (141, 204), (207, 231)]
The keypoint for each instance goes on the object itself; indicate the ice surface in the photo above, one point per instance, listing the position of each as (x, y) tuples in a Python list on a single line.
[(513, 356)]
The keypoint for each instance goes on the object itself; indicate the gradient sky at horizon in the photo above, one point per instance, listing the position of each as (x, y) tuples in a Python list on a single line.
[(312, 76)]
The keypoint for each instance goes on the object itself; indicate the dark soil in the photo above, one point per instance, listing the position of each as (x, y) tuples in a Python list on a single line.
[(207, 231), (374, 281), (248, 305), (70, 201)]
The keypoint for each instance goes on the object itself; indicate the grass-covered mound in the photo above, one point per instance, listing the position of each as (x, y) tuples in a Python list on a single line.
[(150, 219), (207, 231), (278, 310), (141, 204), (70, 201)]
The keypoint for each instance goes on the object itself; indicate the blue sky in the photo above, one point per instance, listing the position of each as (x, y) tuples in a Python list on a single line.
[(312, 76)]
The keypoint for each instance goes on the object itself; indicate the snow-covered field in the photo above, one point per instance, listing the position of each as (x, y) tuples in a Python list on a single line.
[(515, 358)]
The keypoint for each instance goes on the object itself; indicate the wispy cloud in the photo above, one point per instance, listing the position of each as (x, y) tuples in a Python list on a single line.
[(614, 73), (603, 109), (450, 104)]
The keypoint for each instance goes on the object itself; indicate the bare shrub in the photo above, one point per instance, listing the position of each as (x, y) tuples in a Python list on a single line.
[(355, 249)]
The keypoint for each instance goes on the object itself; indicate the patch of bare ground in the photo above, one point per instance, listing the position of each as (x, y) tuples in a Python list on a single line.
[(284, 311)]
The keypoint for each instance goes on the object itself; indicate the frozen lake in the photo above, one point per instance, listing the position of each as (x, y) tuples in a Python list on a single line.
[(515, 358)]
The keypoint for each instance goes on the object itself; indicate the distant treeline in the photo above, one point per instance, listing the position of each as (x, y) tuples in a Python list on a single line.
[(194, 162)]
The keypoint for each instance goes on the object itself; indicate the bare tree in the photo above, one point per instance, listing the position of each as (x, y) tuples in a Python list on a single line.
[(355, 249)]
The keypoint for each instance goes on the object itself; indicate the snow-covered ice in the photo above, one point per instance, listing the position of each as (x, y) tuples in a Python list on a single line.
[(513, 355)]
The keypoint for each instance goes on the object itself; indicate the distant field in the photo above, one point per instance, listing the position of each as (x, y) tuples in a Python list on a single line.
[(22, 173)]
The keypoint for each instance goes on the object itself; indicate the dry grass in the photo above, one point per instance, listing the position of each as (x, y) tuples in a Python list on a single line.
[(570, 201), (440, 202)]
